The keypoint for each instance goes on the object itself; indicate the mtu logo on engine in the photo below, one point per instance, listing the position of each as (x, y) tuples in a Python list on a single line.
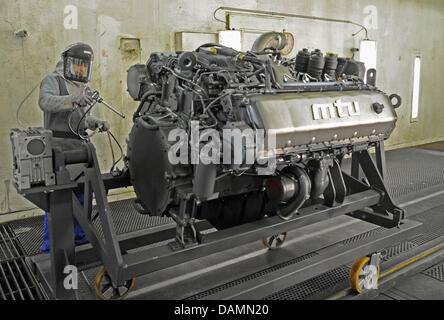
[(334, 110)]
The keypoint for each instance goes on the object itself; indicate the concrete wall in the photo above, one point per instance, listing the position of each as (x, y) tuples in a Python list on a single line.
[(404, 28)]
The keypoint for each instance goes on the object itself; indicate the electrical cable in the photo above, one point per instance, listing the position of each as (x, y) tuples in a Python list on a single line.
[(144, 99), (112, 151), (69, 121), (120, 148), (21, 105), (214, 101), (212, 72), (80, 121), (200, 96), (185, 79)]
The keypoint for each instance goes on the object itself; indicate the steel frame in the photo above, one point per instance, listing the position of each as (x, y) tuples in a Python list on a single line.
[(344, 195)]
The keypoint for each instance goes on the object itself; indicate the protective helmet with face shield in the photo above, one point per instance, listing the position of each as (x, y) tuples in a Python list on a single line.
[(77, 62)]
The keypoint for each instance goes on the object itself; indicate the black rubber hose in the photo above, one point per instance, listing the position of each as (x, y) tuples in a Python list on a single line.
[(291, 208), (144, 123), (223, 50), (145, 97)]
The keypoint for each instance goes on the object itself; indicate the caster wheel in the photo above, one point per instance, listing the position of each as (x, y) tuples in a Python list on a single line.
[(275, 242), (363, 275), (106, 291)]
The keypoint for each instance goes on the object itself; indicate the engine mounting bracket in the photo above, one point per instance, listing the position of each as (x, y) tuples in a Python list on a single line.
[(385, 213)]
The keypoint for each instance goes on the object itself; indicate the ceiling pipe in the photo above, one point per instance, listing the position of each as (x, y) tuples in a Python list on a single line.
[(229, 10)]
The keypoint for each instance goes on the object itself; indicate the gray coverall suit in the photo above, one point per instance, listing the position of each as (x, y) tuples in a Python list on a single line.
[(57, 106)]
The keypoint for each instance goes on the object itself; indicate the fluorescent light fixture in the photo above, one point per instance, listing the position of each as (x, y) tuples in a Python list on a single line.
[(231, 38), (416, 86), (367, 54)]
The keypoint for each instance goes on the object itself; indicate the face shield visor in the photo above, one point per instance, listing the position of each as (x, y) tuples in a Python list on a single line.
[(77, 69)]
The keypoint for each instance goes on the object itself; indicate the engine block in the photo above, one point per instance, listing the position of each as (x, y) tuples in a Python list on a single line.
[(310, 119)]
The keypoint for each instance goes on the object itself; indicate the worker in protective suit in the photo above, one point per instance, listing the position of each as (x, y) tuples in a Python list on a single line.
[(64, 99)]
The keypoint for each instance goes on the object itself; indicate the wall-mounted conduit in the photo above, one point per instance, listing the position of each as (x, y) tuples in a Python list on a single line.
[(229, 10)]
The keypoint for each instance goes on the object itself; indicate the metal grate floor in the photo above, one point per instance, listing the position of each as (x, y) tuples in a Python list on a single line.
[(411, 170), (432, 228), (362, 236), (16, 280), (313, 287), (126, 219), (436, 272), (305, 290), (250, 277), (397, 250)]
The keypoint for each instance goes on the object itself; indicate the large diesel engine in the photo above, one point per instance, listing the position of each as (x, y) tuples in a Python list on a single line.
[(313, 110)]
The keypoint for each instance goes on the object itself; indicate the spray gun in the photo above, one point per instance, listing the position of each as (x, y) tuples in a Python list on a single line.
[(97, 99)]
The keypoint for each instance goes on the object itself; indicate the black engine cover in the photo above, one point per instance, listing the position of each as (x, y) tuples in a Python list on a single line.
[(149, 166)]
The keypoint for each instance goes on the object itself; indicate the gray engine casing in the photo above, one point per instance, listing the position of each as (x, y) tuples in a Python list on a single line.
[(316, 122), (32, 157), (299, 119)]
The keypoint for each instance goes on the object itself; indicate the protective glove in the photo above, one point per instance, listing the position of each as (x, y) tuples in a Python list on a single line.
[(82, 100), (93, 124), (103, 126)]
